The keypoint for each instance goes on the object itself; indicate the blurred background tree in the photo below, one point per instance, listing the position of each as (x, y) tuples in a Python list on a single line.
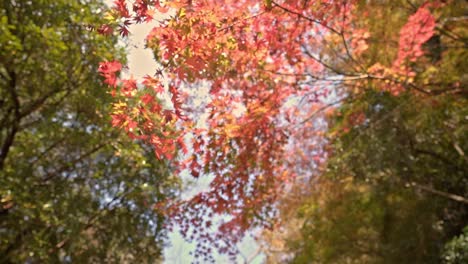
[(72, 189), (395, 187)]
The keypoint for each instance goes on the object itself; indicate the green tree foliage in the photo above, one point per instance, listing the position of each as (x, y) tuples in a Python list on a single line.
[(72, 189), (456, 251), (361, 223), (394, 189), (408, 170)]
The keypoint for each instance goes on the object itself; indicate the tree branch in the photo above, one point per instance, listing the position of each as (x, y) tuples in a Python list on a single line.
[(91, 220), (316, 21), (49, 176), (16, 119), (450, 196)]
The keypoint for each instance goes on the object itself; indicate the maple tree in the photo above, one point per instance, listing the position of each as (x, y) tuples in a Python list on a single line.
[(271, 68)]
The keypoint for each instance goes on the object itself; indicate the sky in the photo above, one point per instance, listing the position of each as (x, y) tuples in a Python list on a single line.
[(141, 63)]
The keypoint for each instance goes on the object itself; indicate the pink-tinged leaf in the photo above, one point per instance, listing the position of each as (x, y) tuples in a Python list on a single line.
[(181, 143), (147, 99), (419, 29), (158, 153), (131, 125), (105, 30), (155, 108), (158, 88), (109, 67), (108, 70), (129, 86), (118, 120), (111, 80), (176, 102), (121, 7)]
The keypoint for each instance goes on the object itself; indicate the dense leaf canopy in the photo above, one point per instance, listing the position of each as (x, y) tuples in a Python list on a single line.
[(72, 188), (308, 94), (338, 125)]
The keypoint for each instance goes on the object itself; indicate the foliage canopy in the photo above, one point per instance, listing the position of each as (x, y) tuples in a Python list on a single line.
[(72, 189), (371, 91)]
